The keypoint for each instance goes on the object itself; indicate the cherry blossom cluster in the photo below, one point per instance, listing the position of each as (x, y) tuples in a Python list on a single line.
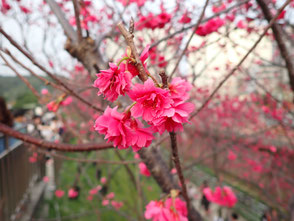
[(172, 209), (140, 3), (61, 101), (152, 21), (164, 109), (223, 196), (209, 27), (87, 16), (156, 58)]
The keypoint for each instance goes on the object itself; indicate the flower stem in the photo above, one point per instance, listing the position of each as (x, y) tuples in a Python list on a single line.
[(123, 59)]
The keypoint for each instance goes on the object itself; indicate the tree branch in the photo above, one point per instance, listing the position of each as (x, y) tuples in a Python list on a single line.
[(190, 38), (129, 38), (78, 22), (68, 29), (51, 145), (278, 33), (35, 92), (30, 57)]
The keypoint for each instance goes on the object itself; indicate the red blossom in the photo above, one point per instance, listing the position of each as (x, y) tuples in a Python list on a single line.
[(113, 82)]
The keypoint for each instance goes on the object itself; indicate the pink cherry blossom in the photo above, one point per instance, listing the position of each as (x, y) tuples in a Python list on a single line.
[(179, 88), (123, 131), (113, 82), (32, 159), (222, 196), (46, 179), (53, 106), (185, 19), (44, 91), (110, 195), (25, 9), (67, 101), (138, 2), (105, 202), (177, 209), (117, 205), (170, 210), (151, 101), (129, 66), (72, 193), (232, 156), (59, 193), (173, 171), (179, 114), (143, 169), (103, 180), (209, 27), (155, 211), (93, 191)]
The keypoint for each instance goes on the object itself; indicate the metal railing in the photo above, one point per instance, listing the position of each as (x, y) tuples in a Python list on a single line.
[(16, 175)]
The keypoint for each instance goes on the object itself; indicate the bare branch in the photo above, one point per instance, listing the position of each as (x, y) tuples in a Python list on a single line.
[(277, 31), (129, 38), (191, 36), (51, 145), (78, 22), (35, 92), (68, 29), (30, 57)]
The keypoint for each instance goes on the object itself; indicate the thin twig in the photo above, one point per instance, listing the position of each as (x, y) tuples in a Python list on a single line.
[(77, 17), (278, 33), (46, 81), (52, 145), (35, 92), (30, 57), (129, 38), (191, 26), (81, 160), (191, 36), (68, 29)]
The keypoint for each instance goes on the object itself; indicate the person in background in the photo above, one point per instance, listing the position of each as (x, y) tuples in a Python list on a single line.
[(266, 216), (204, 201), (5, 115), (7, 119), (234, 217), (219, 216)]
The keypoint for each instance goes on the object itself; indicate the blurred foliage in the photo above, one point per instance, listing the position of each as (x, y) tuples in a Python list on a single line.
[(16, 92), (119, 182)]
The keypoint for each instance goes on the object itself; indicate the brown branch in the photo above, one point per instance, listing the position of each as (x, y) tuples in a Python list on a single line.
[(176, 160), (35, 92), (51, 145), (278, 33), (77, 17), (30, 57), (241, 61), (129, 38), (81, 160), (191, 36), (68, 29)]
